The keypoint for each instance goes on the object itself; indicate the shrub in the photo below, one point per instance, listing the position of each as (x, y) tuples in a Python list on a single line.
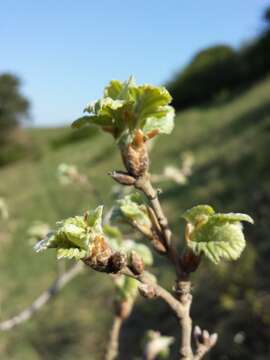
[(133, 115), (210, 72)]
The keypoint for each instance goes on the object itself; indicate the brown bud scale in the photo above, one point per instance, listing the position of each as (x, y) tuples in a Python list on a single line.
[(136, 159), (100, 254), (117, 262), (189, 262), (136, 264), (122, 178)]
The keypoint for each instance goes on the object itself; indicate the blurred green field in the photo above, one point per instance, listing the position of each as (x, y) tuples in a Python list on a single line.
[(230, 142)]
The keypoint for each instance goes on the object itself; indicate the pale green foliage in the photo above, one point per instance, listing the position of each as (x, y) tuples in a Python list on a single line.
[(215, 235), (178, 175), (126, 107), (132, 209), (74, 237), (69, 174), (157, 345), (117, 243), (126, 287), (37, 231), (141, 249), (3, 209), (66, 173), (197, 213)]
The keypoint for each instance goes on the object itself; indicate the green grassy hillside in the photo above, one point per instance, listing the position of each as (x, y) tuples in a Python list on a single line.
[(230, 143)]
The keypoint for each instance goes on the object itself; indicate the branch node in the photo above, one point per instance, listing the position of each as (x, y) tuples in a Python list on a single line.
[(147, 291), (204, 342)]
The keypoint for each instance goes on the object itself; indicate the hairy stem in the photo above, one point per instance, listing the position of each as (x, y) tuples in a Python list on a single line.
[(113, 346)]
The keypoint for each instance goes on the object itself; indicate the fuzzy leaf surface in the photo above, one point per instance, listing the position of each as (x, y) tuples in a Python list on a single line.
[(217, 236), (126, 107), (74, 237)]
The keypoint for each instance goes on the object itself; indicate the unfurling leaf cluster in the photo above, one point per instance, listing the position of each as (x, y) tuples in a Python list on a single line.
[(217, 236), (126, 107), (131, 209), (75, 237), (84, 237), (134, 114)]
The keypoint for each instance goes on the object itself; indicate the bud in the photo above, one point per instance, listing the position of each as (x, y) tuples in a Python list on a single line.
[(116, 262), (203, 337), (189, 262), (136, 263), (157, 244), (135, 156), (156, 233), (213, 339), (100, 255), (197, 332), (122, 178)]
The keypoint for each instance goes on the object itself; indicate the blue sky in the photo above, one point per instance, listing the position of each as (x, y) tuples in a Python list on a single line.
[(65, 51)]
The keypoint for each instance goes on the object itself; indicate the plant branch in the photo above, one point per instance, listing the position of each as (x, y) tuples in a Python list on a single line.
[(151, 289), (181, 303), (204, 342), (200, 352), (47, 295), (142, 229), (144, 184), (183, 289), (113, 346), (181, 307)]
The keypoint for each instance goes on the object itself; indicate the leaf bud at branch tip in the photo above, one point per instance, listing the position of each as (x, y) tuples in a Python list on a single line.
[(205, 335), (122, 177), (135, 263), (158, 246), (202, 337), (213, 339), (117, 262), (189, 261), (197, 331), (135, 157)]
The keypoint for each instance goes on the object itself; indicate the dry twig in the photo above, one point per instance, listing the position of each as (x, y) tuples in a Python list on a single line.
[(46, 296)]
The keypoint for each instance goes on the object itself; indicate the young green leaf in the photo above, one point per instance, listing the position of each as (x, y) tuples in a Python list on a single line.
[(157, 345), (74, 237), (126, 287), (3, 209), (126, 107), (132, 209), (142, 250), (198, 213), (217, 236)]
